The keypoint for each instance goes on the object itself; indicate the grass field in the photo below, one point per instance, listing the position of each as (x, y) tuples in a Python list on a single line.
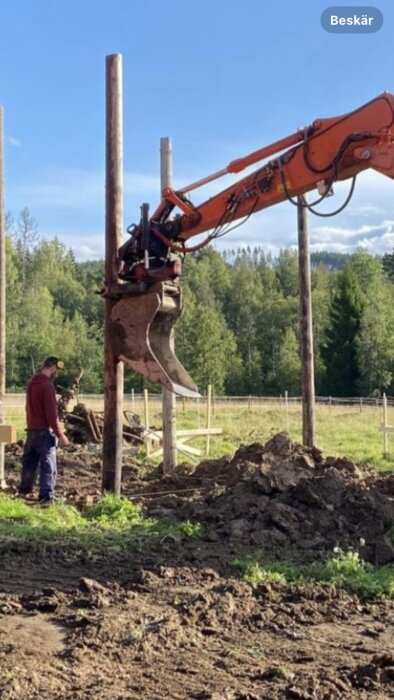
[(344, 430), (114, 522)]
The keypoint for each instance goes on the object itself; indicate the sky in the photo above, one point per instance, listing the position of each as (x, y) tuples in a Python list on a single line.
[(222, 78)]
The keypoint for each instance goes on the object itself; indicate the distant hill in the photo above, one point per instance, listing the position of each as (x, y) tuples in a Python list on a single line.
[(334, 261)]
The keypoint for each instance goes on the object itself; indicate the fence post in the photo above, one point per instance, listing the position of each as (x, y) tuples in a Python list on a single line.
[(209, 395), (146, 420), (361, 404), (287, 410), (132, 401), (385, 425)]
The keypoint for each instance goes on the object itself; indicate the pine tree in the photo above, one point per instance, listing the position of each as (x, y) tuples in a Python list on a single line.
[(340, 351), (388, 264)]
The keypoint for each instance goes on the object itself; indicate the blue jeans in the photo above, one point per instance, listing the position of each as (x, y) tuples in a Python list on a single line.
[(39, 454)]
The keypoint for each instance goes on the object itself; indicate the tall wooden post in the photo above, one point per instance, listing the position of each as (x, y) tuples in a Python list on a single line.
[(307, 365), (2, 294), (113, 368), (169, 398)]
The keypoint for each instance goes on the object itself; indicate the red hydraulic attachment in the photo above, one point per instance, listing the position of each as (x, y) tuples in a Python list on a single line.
[(328, 150), (141, 333)]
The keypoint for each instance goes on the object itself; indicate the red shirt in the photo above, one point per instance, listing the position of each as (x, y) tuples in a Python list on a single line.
[(41, 406)]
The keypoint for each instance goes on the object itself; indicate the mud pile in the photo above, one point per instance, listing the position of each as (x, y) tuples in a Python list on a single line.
[(282, 495)]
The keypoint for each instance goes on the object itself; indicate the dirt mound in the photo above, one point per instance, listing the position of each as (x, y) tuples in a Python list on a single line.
[(167, 619), (275, 496), (282, 494)]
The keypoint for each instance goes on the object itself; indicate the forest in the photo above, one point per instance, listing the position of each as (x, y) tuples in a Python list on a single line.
[(239, 330)]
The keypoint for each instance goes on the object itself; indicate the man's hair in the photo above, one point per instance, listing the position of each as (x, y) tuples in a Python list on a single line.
[(52, 361)]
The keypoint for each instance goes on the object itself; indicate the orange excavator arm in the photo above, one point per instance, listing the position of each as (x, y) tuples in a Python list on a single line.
[(329, 150)]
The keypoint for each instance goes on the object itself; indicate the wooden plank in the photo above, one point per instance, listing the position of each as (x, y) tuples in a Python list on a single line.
[(190, 451), (181, 448), (199, 431), (7, 433), (157, 434)]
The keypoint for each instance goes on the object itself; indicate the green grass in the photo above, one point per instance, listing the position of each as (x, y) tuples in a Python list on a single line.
[(350, 431), (344, 570), (110, 520), (340, 431)]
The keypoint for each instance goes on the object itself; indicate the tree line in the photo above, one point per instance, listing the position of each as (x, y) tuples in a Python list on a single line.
[(239, 330)]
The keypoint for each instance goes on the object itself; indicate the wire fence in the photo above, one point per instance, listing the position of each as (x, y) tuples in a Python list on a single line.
[(14, 404), (358, 426)]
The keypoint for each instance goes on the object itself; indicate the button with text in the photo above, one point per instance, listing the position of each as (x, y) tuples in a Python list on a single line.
[(352, 19)]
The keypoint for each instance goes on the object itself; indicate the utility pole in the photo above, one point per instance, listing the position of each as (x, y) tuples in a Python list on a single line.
[(2, 295), (306, 328), (113, 367), (169, 398)]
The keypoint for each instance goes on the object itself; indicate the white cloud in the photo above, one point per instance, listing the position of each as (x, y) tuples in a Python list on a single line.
[(73, 188), (70, 203), (88, 245)]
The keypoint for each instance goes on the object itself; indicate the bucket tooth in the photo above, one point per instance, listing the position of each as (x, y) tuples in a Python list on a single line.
[(141, 333)]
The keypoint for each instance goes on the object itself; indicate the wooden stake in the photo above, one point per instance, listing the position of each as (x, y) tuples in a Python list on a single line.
[(169, 398), (307, 366), (113, 368), (146, 421), (287, 410), (385, 425), (2, 295), (209, 405)]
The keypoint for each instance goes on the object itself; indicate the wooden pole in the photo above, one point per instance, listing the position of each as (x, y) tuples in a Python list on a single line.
[(146, 421), (113, 368), (307, 366), (2, 295), (287, 410), (209, 406), (385, 425), (169, 398)]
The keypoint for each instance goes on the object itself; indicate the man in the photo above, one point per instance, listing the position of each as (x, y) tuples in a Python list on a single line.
[(43, 432)]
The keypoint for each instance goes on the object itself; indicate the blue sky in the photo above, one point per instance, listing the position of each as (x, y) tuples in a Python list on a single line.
[(222, 78)]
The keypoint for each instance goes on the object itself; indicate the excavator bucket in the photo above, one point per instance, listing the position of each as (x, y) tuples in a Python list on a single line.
[(141, 331)]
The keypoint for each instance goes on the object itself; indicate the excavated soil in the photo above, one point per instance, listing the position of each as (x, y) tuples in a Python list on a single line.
[(171, 619)]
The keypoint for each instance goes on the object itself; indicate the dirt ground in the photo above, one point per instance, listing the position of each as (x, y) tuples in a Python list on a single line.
[(173, 620)]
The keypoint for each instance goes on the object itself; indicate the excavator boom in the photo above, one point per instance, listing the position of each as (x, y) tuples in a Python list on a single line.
[(149, 304)]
